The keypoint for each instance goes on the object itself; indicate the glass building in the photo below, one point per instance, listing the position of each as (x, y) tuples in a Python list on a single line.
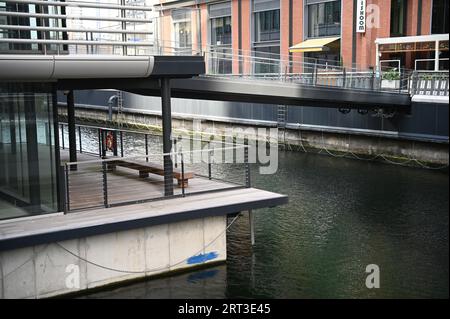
[(28, 158)]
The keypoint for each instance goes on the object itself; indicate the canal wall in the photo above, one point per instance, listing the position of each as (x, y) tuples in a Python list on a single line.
[(50, 270)]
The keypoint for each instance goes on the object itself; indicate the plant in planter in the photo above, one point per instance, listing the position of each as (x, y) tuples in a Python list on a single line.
[(391, 79)]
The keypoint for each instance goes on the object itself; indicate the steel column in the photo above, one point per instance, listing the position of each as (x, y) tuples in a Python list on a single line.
[(167, 133), (71, 127)]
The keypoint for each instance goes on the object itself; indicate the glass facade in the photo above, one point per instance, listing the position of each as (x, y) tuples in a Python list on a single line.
[(324, 19), (221, 31), (398, 17), (439, 20), (182, 35), (27, 150), (268, 62), (220, 38), (266, 38)]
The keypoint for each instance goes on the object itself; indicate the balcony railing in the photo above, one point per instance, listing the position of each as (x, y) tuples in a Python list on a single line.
[(434, 83), (133, 172)]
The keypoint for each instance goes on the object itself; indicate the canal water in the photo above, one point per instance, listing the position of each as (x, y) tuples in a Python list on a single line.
[(343, 215)]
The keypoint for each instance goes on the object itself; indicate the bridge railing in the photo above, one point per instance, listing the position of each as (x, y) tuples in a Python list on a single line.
[(434, 83)]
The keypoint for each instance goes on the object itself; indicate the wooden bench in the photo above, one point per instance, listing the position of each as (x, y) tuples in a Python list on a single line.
[(145, 168)]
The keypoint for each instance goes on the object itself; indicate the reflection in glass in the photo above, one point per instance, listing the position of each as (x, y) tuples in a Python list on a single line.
[(27, 151), (324, 19)]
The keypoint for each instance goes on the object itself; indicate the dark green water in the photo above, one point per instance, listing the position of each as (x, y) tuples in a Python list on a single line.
[(343, 215)]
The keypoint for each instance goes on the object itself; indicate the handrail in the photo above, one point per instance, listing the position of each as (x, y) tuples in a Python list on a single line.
[(106, 160), (82, 5), (80, 42), (64, 29), (68, 17)]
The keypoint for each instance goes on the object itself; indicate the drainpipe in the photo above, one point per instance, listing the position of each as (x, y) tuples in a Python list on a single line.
[(112, 100)]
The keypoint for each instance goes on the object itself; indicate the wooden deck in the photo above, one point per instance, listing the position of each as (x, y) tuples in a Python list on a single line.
[(124, 185)]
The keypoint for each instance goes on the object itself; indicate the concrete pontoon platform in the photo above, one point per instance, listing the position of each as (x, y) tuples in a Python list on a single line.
[(34, 231)]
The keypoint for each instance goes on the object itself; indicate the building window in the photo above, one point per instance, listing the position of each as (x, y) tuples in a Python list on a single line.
[(182, 31), (324, 19), (398, 17), (439, 20), (267, 26), (221, 31), (220, 61), (266, 38)]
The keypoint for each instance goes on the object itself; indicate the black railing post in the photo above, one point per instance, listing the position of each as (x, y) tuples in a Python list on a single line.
[(105, 184), (79, 138), (100, 142), (62, 190), (248, 183), (344, 74), (182, 175), (315, 75), (209, 161), (146, 147), (175, 152), (62, 136), (67, 205), (121, 144)]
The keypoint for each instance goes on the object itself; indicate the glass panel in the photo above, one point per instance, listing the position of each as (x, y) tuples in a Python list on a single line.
[(269, 60), (221, 31), (27, 151), (183, 39), (439, 22), (398, 18), (221, 60), (324, 19), (267, 26)]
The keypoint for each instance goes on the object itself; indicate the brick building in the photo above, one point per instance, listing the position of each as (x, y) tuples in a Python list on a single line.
[(310, 30)]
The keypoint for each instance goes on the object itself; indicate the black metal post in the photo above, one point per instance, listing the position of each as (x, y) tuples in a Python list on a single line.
[(79, 138), (67, 204), (71, 127), (167, 132), (344, 78), (146, 147), (248, 183), (115, 143), (62, 136), (315, 74), (182, 175), (121, 144), (175, 152), (209, 161), (105, 185), (100, 142)]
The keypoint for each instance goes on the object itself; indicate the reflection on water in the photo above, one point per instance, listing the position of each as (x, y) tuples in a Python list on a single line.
[(343, 215)]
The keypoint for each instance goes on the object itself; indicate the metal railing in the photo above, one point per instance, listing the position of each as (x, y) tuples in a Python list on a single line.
[(57, 32), (435, 83), (126, 176), (120, 181)]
